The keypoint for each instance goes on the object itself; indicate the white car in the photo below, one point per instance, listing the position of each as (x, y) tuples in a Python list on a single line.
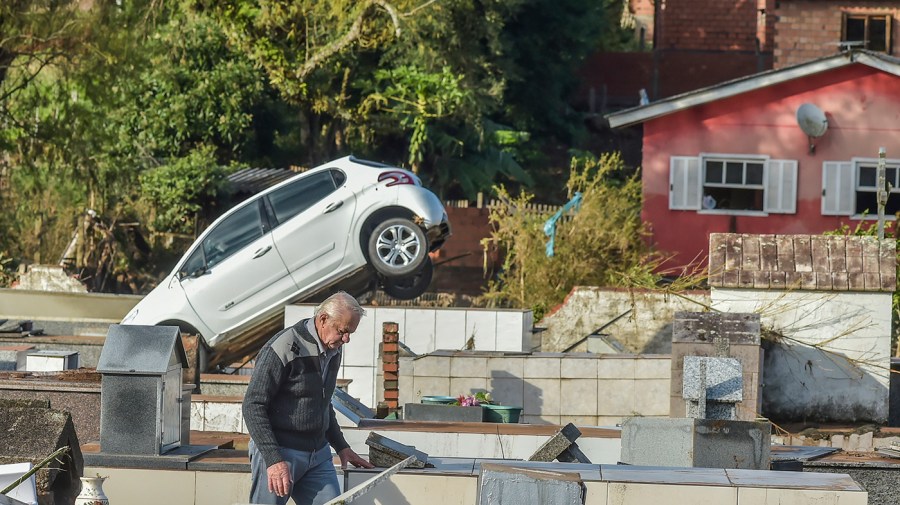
[(347, 222)]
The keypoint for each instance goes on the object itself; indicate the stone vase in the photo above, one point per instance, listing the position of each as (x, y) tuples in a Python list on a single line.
[(92, 492)]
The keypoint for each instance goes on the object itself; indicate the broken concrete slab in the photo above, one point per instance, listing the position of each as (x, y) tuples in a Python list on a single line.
[(500, 484), (562, 447), (350, 407), (384, 452)]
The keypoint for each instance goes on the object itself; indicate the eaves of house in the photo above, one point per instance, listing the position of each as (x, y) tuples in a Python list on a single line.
[(642, 113)]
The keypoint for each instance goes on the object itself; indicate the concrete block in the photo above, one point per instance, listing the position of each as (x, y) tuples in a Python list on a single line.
[(468, 366), (578, 397), (852, 442), (542, 397), (506, 367), (837, 441), (433, 366), (615, 368), (696, 443), (653, 368), (385, 452), (561, 446), (447, 413), (615, 398), (865, 442), (481, 327), (507, 390), (508, 485), (651, 397), (578, 368), (542, 368)]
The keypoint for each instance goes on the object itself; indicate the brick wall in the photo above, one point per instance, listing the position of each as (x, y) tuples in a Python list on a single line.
[(810, 29), (460, 263), (711, 24)]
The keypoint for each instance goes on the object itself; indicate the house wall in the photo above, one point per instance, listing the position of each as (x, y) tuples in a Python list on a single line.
[(423, 331), (809, 29), (863, 109), (832, 360), (713, 25)]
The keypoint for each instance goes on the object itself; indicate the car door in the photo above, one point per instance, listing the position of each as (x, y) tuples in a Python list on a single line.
[(313, 217), (236, 271)]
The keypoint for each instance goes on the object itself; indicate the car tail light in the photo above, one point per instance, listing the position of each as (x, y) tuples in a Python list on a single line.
[(396, 177)]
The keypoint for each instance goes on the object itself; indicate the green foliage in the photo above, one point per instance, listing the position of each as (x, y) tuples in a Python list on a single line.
[(601, 244), (182, 187)]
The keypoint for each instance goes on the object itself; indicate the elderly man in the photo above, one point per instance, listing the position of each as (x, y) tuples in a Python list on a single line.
[(288, 410)]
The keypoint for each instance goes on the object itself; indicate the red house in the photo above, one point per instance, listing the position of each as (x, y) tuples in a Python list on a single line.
[(732, 158)]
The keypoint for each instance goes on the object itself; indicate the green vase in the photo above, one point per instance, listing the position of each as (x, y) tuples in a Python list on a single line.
[(500, 413)]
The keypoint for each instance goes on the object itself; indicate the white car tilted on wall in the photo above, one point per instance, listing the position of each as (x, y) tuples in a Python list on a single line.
[(345, 220)]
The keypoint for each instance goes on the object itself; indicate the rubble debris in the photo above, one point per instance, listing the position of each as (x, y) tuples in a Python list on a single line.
[(384, 452), (561, 447)]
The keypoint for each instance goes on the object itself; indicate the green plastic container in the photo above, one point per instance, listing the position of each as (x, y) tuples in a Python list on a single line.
[(500, 413), (438, 400)]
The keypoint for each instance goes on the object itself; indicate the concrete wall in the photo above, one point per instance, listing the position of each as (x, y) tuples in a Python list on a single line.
[(647, 329), (585, 389), (833, 361), (423, 331)]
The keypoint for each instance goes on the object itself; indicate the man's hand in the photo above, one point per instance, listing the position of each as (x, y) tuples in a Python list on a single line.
[(280, 478), (348, 456)]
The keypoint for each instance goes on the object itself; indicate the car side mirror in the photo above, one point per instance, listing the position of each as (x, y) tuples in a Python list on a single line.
[(193, 275)]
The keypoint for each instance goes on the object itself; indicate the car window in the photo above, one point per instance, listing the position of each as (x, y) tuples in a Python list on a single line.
[(300, 195), (194, 264), (232, 234), (339, 177)]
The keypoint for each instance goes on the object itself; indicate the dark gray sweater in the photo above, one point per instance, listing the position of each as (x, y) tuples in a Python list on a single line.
[(287, 404)]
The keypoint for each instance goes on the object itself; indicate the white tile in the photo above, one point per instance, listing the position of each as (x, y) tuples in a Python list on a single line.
[(198, 415), (362, 350), (433, 366), (294, 313), (467, 386), (578, 368), (506, 367), (578, 397), (772, 496), (222, 417), (468, 366), (363, 385), (578, 421), (431, 386), (615, 398), (615, 368), (542, 368), (595, 493), (406, 384), (621, 493), (383, 315), (542, 397), (651, 397), (508, 391), (481, 326), (541, 420), (653, 368), (420, 330), (450, 329), (511, 331)]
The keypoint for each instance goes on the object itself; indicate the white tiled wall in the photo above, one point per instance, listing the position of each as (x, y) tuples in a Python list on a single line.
[(423, 331), (591, 389)]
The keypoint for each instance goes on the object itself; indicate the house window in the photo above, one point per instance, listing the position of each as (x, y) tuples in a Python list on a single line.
[(867, 188), (867, 31), (732, 184), (850, 187)]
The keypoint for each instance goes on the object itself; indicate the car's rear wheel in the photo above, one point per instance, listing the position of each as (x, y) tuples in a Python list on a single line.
[(397, 247), (411, 286)]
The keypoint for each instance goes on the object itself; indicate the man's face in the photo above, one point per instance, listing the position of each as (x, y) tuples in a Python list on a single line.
[(335, 332)]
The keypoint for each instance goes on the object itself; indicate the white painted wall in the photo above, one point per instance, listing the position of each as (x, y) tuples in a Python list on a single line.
[(423, 330), (844, 378)]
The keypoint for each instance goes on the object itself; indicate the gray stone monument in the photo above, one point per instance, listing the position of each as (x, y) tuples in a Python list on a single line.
[(712, 387)]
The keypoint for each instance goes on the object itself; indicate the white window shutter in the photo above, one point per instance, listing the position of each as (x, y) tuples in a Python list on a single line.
[(684, 183), (781, 187), (838, 188)]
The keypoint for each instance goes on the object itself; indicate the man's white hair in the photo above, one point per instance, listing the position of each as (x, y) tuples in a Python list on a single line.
[(339, 303)]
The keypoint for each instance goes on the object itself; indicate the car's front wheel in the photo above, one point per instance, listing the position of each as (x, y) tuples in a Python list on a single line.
[(411, 286), (397, 247)]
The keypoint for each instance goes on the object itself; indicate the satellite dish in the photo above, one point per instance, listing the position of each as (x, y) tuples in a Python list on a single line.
[(812, 120), (813, 123)]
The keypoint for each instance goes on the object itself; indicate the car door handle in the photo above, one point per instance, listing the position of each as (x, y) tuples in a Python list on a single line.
[(262, 251), (333, 206)]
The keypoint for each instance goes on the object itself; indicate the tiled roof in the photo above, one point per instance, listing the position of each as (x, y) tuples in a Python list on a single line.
[(806, 262)]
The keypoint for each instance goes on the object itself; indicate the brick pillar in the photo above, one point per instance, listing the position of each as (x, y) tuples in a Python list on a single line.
[(390, 358)]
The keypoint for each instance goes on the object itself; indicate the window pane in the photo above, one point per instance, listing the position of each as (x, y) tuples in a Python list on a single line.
[(877, 39), (714, 171), (231, 235), (733, 198), (856, 29), (339, 178), (890, 176), (300, 195), (867, 177), (734, 173), (193, 264), (866, 203), (754, 173)]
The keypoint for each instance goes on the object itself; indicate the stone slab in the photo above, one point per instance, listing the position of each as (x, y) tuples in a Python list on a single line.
[(682, 442), (447, 413), (176, 459), (510, 485), (724, 380)]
